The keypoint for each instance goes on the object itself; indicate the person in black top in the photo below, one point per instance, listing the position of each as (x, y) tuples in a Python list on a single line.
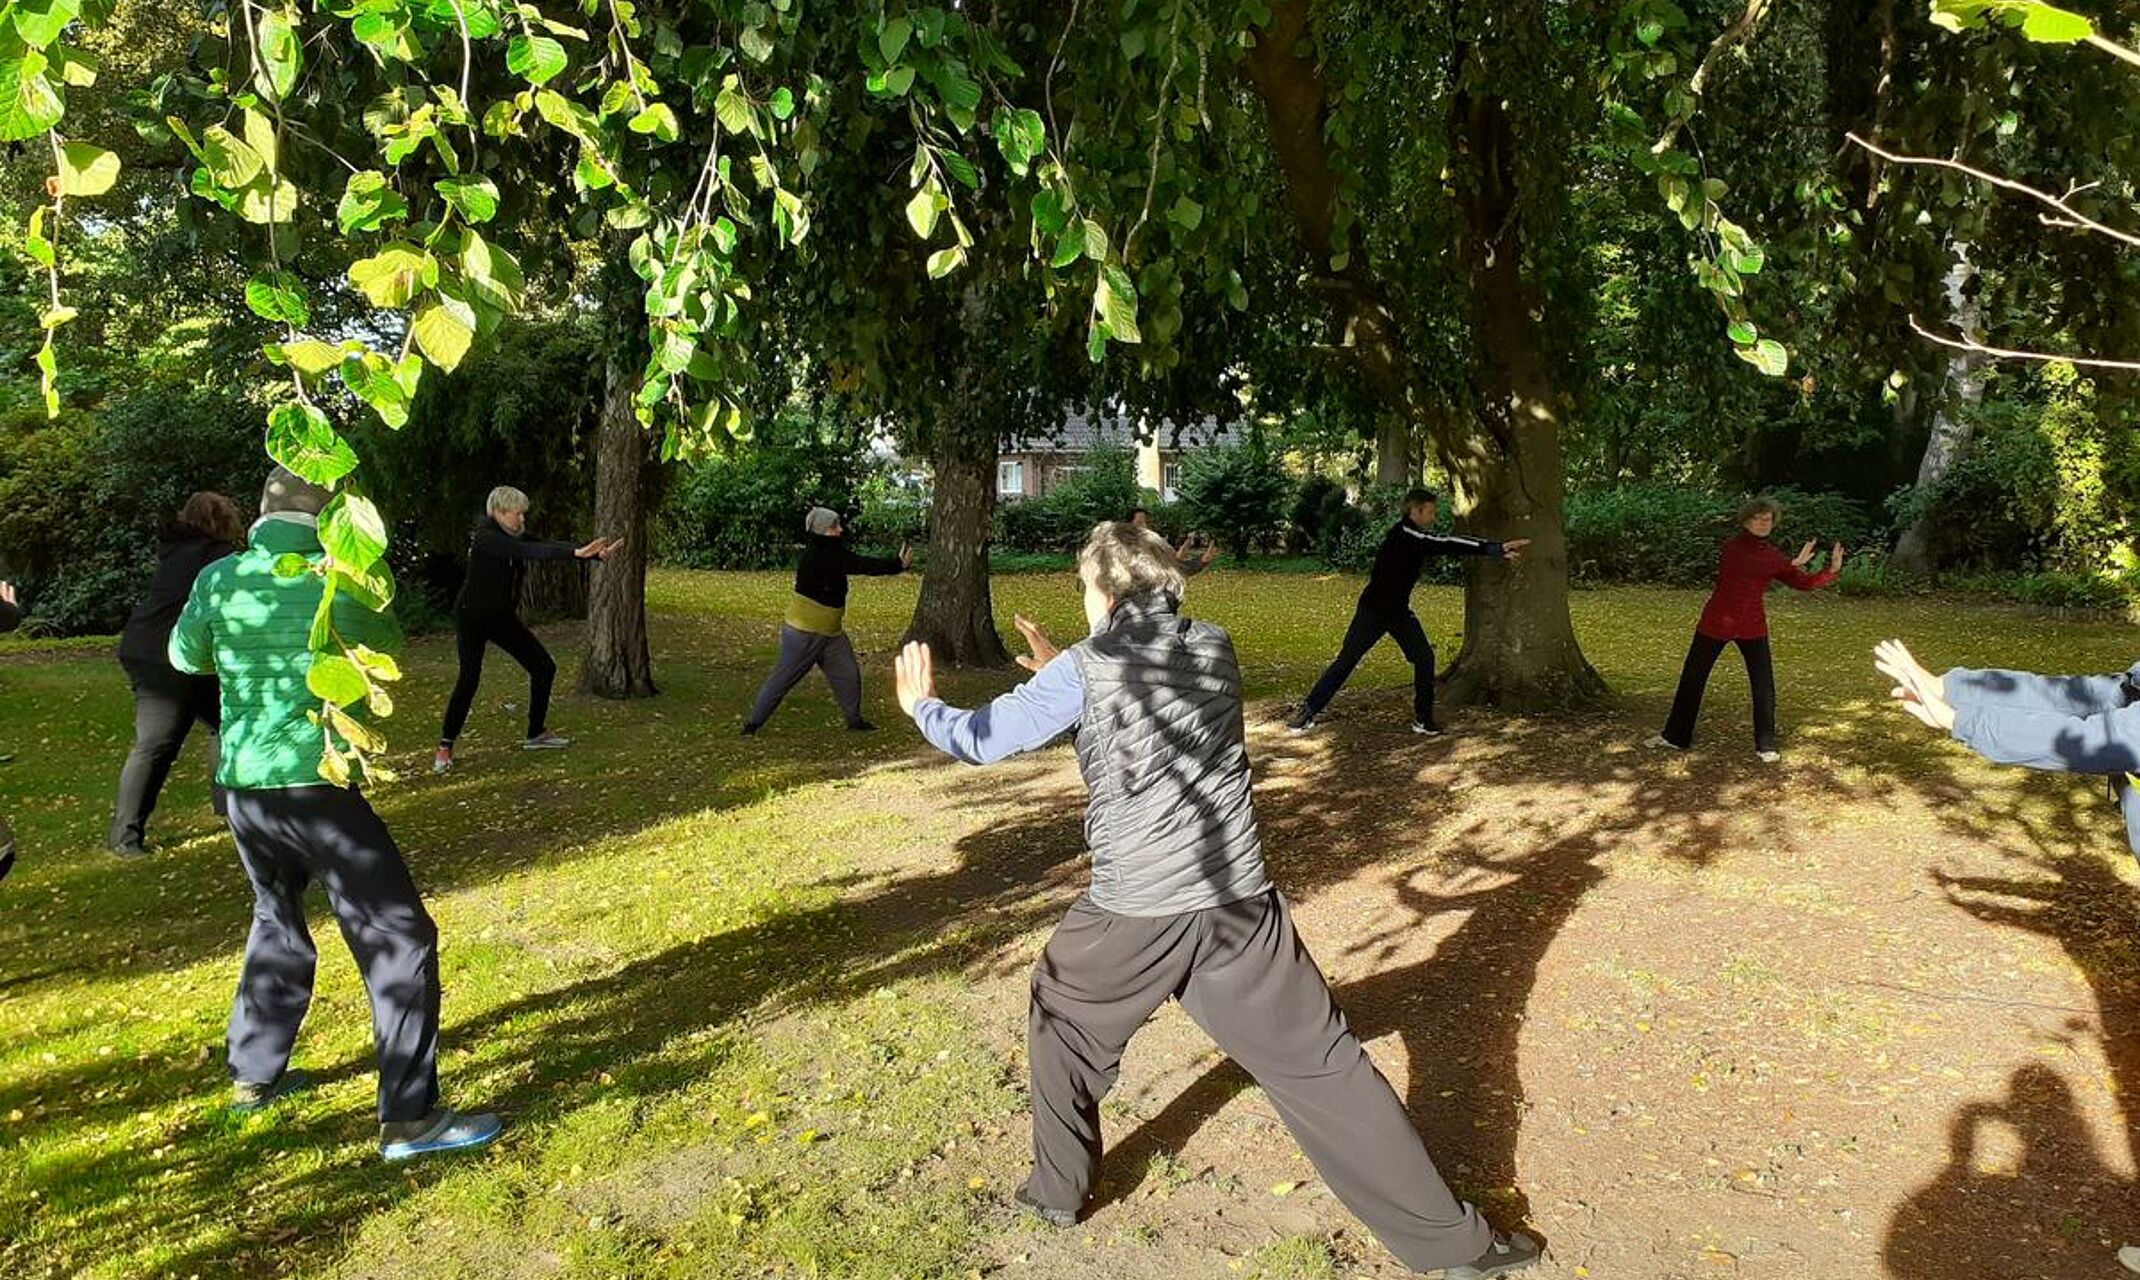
[(1385, 609), (813, 633), (487, 612), (167, 702)]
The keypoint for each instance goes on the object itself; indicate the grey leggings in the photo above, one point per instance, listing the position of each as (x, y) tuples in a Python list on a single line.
[(800, 651)]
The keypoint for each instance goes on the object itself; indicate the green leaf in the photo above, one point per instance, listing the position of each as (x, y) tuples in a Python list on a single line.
[(29, 104), (394, 275), (1186, 213), (563, 113), (2048, 24), (474, 198), (658, 119), (86, 170), (37, 243), (898, 80), (352, 531), (377, 665), (1095, 240), (535, 59), (334, 678), (961, 170), (892, 40), (370, 377), (1748, 261), (368, 203), (492, 273), (922, 211), (734, 111), (676, 349), (783, 103), (278, 296), (309, 356), (1742, 332), (756, 44), (1767, 355), (54, 317), (300, 438), (1116, 302), (76, 67), (290, 564), (232, 162), (40, 22), (445, 330), (945, 261), (1069, 247), (282, 56)]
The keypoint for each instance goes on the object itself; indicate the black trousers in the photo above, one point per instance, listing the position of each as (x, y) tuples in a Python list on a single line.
[(1367, 629), (472, 634), (1239, 970), (288, 838), (1694, 680), (799, 652), (167, 704)]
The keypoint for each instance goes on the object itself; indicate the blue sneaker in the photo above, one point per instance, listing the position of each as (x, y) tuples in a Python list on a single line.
[(443, 1130)]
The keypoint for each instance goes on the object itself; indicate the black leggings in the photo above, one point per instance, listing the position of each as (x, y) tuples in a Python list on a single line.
[(167, 704), (473, 632), (1694, 679)]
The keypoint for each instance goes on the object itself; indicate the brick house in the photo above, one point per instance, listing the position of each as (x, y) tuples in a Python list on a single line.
[(1031, 466)]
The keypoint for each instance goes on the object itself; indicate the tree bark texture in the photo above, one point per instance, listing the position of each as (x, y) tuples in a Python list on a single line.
[(1519, 647), (1951, 423), (955, 615), (619, 663)]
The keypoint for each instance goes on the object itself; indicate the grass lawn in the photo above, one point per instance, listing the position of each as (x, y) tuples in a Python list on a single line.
[(755, 1008)]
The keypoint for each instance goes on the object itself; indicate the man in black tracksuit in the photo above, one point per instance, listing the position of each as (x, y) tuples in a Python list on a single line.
[(488, 612), (1385, 609), (813, 632)]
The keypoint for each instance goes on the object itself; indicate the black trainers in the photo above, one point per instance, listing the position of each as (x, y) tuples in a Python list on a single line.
[(246, 1098), (1303, 722), (1425, 730), (751, 730), (861, 726), (1053, 1217), (1505, 1256), (128, 849)]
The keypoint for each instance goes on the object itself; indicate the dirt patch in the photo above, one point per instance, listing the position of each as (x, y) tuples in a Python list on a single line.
[(1688, 1016)]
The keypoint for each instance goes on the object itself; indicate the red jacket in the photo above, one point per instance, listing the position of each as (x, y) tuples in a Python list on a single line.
[(1743, 573)]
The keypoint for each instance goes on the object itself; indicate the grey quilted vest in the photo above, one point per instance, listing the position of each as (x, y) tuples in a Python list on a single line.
[(1170, 823)]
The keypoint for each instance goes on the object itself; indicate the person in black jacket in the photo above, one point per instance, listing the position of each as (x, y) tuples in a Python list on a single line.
[(487, 612), (1385, 609), (813, 633), (10, 618), (168, 702)]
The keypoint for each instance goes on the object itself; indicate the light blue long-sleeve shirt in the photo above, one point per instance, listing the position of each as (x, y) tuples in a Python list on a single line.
[(1029, 716), (2073, 724)]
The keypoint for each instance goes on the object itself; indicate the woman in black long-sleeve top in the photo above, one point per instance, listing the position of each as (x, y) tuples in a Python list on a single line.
[(488, 613), (167, 702)]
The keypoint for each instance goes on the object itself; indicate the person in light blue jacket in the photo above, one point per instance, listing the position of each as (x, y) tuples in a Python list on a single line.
[(2067, 724)]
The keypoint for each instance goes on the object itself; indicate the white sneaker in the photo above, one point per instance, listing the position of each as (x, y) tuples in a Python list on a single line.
[(1658, 742), (1300, 725), (1426, 730), (2129, 1257), (442, 760), (547, 740), (1768, 757)]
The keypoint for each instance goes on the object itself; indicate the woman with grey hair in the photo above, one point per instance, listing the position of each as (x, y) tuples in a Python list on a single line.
[(1734, 615), (487, 612), (814, 633)]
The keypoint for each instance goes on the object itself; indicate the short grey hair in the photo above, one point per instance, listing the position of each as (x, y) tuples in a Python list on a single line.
[(1123, 561), (505, 498)]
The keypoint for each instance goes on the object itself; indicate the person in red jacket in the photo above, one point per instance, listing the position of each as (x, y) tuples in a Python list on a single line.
[(1734, 615)]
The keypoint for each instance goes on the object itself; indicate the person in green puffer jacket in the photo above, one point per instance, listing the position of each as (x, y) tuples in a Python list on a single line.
[(251, 628)]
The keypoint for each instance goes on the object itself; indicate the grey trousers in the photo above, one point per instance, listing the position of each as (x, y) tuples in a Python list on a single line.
[(1243, 974), (287, 839), (800, 651)]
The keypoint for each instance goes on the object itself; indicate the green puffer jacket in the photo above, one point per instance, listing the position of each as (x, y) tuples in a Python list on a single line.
[(251, 629)]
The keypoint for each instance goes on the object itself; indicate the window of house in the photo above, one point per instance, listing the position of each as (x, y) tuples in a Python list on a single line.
[(1170, 479), (1010, 477)]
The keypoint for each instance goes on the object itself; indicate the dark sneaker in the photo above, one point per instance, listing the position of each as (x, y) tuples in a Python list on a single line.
[(1658, 742), (1301, 723), (861, 726), (443, 1130), (1053, 1217), (1505, 1256), (128, 849), (1426, 730), (547, 740), (246, 1097), (751, 730)]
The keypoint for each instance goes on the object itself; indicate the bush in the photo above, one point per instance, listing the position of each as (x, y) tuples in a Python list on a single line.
[(83, 498), (1669, 533), (744, 510), (892, 515), (1239, 495), (1060, 520), (1323, 517)]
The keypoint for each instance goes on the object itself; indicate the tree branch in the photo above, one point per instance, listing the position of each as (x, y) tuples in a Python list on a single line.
[(1733, 36), (2115, 50), (2073, 217), (1971, 345)]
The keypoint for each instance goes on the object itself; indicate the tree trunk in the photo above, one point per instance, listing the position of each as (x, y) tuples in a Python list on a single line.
[(1519, 642), (619, 664), (1396, 458), (955, 616), (554, 590), (1951, 421)]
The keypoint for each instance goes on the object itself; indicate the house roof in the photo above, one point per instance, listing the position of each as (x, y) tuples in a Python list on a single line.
[(1082, 431)]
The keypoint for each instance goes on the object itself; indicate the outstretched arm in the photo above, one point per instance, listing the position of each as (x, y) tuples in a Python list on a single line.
[(1029, 716), (1791, 575), (499, 543), (874, 566), (2027, 691), (2108, 743)]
